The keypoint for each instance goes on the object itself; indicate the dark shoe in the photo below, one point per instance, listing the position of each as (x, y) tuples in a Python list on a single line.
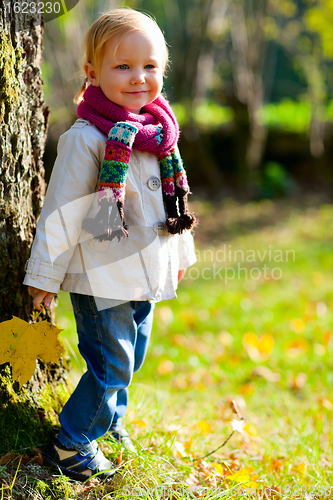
[(119, 434), (80, 465)]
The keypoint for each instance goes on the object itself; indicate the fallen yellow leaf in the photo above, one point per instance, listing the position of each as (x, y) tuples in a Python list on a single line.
[(317, 278), (218, 467), (139, 423), (188, 444), (204, 426), (297, 325), (326, 403), (247, 389), (245, 476), (258, 349), (21, 343), (276, 465), (179, 339), (300, 468), (298, 381), (188, 317), (319, 349), (166, 366), (296, 347), (165, 314), (119, 458), (251, 429), (225, 338), (326, 337), (180, 450), (180, 382)]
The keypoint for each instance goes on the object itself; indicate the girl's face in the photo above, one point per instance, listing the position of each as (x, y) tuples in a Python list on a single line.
[(131, 76)]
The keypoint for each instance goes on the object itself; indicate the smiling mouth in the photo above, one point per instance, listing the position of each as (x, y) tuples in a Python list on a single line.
[(138, 92)]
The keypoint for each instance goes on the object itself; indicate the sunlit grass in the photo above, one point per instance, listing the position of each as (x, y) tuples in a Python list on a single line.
[(200, 358)]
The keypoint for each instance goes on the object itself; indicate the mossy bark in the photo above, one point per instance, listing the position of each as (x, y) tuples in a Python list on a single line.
[(25, 415)]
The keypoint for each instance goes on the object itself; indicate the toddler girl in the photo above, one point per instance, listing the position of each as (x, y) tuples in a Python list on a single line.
[(114, 230)]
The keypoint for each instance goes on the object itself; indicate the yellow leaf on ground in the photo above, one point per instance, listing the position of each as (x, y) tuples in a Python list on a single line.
[(218, 467), (258, 349), (326, 403), (245, 476), (299, 381), (21, 343), (317, 278), (179, 339), (300, 468), (166, 314), (180, 450), (139, 423), (327, 336), (247, 389), (188, 444), (180, 382), (225, 338), (296, 347), (297, 325), (188, 317), (319, 349), (266, 344), (276, 465), (166, 366), (251, 429), (204, 426)]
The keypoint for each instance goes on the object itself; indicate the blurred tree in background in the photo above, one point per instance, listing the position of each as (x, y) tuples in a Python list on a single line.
[(250, 81)]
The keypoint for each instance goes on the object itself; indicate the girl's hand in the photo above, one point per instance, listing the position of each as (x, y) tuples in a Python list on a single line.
[(40, 296), (181, 274)]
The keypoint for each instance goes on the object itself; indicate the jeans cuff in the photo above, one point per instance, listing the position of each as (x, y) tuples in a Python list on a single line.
[(81, 447)]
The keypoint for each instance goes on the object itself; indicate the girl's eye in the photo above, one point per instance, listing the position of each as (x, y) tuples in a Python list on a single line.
[(150, 66), (122, 66)]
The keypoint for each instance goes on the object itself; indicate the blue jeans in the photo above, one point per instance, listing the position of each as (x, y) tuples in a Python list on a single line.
[(113, 343)]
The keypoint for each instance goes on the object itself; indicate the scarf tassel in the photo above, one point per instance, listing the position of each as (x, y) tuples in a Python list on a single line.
[(176, 223)]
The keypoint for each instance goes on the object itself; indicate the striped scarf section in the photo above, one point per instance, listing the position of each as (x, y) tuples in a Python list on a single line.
[(155, 130)]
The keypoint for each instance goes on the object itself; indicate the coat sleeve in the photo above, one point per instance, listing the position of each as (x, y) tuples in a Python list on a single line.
[(68, 198), (187, 255)]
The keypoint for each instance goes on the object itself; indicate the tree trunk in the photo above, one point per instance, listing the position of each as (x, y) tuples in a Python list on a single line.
[(248, 42), (25, 415)]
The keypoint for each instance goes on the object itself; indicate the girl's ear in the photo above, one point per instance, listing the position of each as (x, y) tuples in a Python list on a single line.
[(91, 74)]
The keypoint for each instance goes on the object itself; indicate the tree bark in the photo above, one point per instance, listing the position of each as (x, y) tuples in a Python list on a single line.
[(23, 126), (25, 415), (248, 42)]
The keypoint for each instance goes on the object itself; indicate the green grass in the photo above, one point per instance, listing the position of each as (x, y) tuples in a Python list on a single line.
[(198, 361)]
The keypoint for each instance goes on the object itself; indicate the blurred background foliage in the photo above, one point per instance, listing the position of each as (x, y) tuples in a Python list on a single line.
[(251, 82)]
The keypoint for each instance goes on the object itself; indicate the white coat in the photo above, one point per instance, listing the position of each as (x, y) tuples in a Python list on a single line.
[(142, 267)]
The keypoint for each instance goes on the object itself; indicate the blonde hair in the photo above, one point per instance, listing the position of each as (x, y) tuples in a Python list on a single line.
[(116, 23)]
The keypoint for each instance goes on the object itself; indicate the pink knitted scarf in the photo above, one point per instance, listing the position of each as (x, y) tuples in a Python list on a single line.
[(154, 131)]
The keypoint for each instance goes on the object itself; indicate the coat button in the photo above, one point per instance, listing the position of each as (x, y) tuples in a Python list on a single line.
[(159, 228), (154, 183)]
